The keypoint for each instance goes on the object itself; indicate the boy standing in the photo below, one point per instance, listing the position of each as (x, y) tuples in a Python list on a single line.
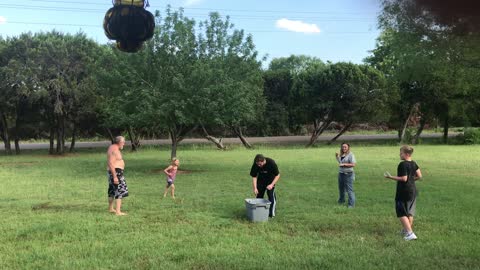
[(405, 198)]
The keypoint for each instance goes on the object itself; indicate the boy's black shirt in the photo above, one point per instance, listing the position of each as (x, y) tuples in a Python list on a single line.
[(406, 191), (267, 173)]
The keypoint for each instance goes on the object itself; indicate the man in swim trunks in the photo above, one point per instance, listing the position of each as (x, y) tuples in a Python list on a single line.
[(117, 187)]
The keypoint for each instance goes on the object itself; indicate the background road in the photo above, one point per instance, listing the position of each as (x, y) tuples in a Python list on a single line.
[(252, 140)]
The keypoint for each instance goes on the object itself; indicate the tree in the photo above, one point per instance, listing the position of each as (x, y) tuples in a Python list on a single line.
[(17, 88), (279, 81), (365, 101), (125, 94), (415, 52), (227, 79)]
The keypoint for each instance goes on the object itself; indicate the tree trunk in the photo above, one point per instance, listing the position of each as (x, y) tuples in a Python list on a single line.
[(60, 134), (416, 138), (52, 140), (239, 133), (5, 137), (134, 140), (112, 139), (17, 146), (16, 136), (446, 123), (344, 129), (318, 128), (401, 134), (175, 138), (177, 133), (72, 144), (217, 142)]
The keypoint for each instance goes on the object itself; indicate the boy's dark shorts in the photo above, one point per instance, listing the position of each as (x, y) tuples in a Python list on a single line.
[(120, 190), (405, 208)]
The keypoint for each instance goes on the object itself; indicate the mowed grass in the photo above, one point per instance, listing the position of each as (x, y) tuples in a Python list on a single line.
[(54, 212)]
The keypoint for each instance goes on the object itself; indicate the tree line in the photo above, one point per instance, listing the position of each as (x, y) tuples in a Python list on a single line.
[(207, 78)]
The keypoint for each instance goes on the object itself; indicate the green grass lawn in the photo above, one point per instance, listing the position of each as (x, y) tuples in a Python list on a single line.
[(54, 212)]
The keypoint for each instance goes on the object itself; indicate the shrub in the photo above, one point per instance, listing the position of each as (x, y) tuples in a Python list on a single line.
[(471, 136)]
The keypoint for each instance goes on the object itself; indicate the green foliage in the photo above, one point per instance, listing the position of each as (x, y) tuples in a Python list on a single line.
[(471, 136), (55, 212), (427, 63)]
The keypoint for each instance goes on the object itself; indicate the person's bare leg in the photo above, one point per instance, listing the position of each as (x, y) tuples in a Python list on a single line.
[(166, 191), (110, 205), (410, 219), (119, 206), (173, 191), (406, 224)]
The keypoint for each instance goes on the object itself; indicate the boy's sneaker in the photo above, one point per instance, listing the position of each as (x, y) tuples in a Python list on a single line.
[(410, 236)]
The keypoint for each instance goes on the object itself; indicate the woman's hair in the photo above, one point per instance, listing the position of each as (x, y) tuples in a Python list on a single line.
[(341, 150), (173, 160)]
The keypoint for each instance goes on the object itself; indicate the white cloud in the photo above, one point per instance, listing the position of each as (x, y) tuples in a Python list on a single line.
[(297, 26), (3, 20), (189, 3)]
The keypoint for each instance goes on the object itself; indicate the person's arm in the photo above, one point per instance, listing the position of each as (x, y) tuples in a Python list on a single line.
[(254, 174), (167, 170), (254, 184), (347, 165), (275, 180), (111, 164), (397, 178), (277, 176), (418, 174), (351, 162)]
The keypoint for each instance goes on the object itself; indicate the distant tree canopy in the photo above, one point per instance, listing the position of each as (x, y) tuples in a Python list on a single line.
[(206, 79)]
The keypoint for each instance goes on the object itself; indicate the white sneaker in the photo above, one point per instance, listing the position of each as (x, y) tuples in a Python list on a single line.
[(410, 236)]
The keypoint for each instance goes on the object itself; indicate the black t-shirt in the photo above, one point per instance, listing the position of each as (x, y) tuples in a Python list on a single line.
[(406, 191), (267, 173)]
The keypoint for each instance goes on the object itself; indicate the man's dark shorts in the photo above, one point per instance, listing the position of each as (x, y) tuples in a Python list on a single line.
[(405, 208), (120, 190)]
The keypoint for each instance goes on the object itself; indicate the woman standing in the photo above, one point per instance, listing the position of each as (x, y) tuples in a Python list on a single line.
[(346, 175)]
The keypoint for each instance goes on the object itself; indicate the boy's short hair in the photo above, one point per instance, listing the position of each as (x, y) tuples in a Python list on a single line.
[(407, 149), (259, 157)]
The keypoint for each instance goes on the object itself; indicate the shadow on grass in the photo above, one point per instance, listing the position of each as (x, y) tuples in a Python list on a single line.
[(48, 206), (237, 214)]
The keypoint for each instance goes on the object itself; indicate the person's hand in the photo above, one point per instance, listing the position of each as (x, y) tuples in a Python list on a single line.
[(340, 165), (255, 191), (387, 175), (270, 187), (115, 181)]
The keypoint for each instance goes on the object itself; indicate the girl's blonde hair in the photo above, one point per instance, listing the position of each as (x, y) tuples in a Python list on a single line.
[(173, 161)]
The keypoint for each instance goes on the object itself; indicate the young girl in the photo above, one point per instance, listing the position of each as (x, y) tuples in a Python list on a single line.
[(171, 172)]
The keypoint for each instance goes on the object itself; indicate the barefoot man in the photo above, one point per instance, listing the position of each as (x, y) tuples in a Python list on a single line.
[(117, 187)]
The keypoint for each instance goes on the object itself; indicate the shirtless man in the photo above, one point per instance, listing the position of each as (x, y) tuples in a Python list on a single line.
[(117, 187)]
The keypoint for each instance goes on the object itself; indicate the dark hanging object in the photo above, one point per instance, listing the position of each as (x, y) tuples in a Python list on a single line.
[(129, 24)]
